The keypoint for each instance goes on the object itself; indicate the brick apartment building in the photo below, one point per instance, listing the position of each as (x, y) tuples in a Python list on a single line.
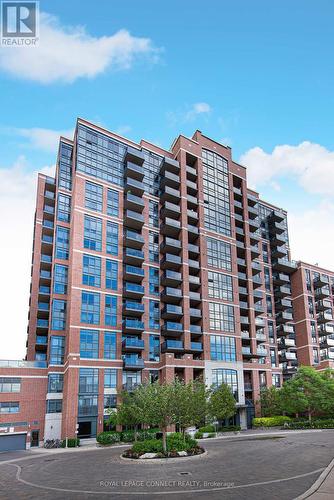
[(150, 264)]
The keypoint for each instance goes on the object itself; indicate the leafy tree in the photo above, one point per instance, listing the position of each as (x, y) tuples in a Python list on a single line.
[(131, 410), (221, 403), (270, 400), (190, 404)]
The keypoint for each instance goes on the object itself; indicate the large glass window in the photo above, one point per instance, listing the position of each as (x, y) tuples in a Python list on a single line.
[(154, 314), (94, 196), (57, 349), (221, 317), (91, 270), (111, 274), (55, 382), (219, 254), (65, 166), (88, 380), (109, 345), (90, 308), (93, 233), (10, 407), (87, 405), (64, 208), (89, 344), (62, 242), (112, 203), (110, 311), (58, 314), (112, 238), (216, 193), (154, 352), (267, 280), (154, 281), (60, 277), (54, 405), (225, 376), (222, 348), (110, 378), (153, 247), (220, 286), (10, 384), (151, 166), (153, 213)]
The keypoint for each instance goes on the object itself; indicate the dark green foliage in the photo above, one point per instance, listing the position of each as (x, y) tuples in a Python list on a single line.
[(110, 437), (271, 421)]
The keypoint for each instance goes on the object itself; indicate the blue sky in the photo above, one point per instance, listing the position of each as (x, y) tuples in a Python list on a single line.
[(257, 75)]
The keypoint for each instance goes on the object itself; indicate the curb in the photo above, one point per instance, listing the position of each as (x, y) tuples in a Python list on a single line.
[(315, 486)]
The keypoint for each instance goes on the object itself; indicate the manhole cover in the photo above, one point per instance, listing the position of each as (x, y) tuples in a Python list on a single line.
[(184, 473)]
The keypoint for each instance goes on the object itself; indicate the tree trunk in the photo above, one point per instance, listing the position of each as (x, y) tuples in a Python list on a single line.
[(309, 415), (135, 432), (164, 439)]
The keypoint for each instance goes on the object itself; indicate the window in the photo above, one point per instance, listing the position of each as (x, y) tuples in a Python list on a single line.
[(131, 379), (221, 317), (216, 193), (109, 345), (10, 407), (265, 253), (110, 401), (315, 356), (276, 380), (110, 311), (273, 357), (153, 247), (308, 280), (267, 280), (91, 270), (54, 405), (111, 274), (60, 277), (112, 203), (154, 353), (110, 378), (92, 233), (62, 242), (64, 208), (112, 238), (219, 254), (55, 382), (153, 213), (90, 308), (154, 281), (58, 314), (88, 380), (154, 314), (153, 376), (220, 286), (222, 348), (269, 304), (94, 196), (313, 332), (87, 405), (151, 166), (57, 348), (310, 306), (10, 384), (65, 166), (271, 333), (229, 377), (89, 344)]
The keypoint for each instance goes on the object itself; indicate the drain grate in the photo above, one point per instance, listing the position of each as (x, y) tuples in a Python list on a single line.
[(184, 473)]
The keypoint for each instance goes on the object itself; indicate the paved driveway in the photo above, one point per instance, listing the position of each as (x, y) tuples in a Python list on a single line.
[(248, 467)]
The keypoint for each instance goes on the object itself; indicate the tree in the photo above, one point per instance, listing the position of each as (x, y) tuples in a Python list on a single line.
[(221, 403), (131, 410), (270, 400), (190, 403)]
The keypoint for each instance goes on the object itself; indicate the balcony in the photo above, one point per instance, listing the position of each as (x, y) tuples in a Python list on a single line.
[(193, 265), (279, 252), (287, 343), (240, 245), (276, 228), (283, 317), (41, 340), (47, 239), (133, 273), (192, 201), (276, 216), (257, 295), (284, 265), (252, 200), (260, 323), (325, 329), (170, 194), (287, 356), (49, 209), (246, 352), (258, 309), (328, 342), (170, 179), (277, 240), (171, 295), (133, 325), (132, 344), (261, 352), (195, 329), (322, 293), (283, 330), (134, 171), (48, 224), (133, 308), (320, 281), (42, 324), (325, 317), (171, 278), (244, 320), (193, 250), (133, 363), (241, 263), (243, 305), (170, 227), (281, 279), (196, 347), (254, 238), (195, 297), (170, 261), (282, 291), (44, 275), (43, 306), (257, 282), (133, 256), (171, 311), (245, 335), (170, 210), (256, 268), (242, 277), (193, 232), (239, 231), (46, 259), (18, 363), (133, 239), (133, 202), (133, 219), (195, 313), (134, 155), (254, 224), (255, 252), (253, 212), (172, 346), (133, 290), (322, 305), (192, 216), (134, 187), (191, 172), (44, 290), (169, 165), (282, 304), (238, 205), (171, 328), (170, 245), (261, 337), (243, 291)]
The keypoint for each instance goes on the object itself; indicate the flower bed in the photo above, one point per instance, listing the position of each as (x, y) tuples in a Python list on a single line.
[(177, 445)]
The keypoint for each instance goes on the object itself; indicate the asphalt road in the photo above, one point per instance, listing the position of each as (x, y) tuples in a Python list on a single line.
[(248, 467)]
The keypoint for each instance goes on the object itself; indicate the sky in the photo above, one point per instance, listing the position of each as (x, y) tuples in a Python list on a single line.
[(258, 76)]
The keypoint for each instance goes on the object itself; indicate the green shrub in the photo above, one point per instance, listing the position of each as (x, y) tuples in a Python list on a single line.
[(145, 434), (271, 421), (230, 428), (148, 446), (207, 428), (127, 436), (315, 424), (211, 435), (177, 442), (110, 437), (198, 435), (71, 443)]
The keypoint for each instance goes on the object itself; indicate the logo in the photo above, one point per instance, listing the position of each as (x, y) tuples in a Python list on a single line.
[(19, 24)]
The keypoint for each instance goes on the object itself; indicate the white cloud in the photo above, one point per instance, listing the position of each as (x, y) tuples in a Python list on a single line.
[(312, 235), (17, 204), (199, 108), (42, 138), (311, 164), (67, 53)]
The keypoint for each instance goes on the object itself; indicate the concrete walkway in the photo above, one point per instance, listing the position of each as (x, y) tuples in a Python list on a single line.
[(323, 488)]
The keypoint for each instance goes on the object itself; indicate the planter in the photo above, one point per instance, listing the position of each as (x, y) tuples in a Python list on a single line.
[(129, 454)]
